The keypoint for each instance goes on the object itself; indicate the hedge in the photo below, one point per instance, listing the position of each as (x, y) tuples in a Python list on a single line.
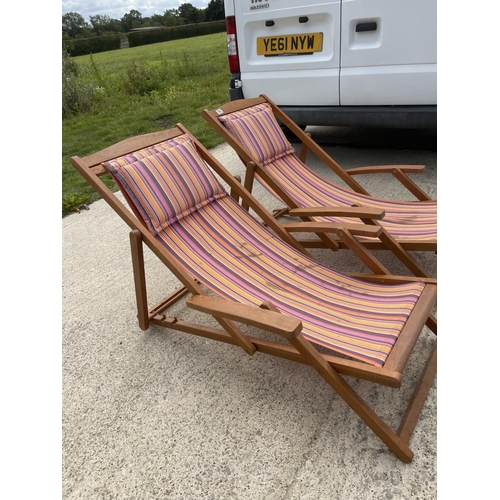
[(93, 45), (136, 38), (84, 46)]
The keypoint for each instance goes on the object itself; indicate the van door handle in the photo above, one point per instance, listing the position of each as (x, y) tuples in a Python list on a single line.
[(366, 27)]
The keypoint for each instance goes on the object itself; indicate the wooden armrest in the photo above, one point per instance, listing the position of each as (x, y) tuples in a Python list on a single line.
[(391, 278), (331, 227), (271, 321), (381, 169), (399, 172), (359, 212)]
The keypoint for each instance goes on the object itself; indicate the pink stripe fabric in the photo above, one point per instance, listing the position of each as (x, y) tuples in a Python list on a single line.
[(251, 127), (403, 220), (165, 182), (260, 132), (237, 258), (219, 243)]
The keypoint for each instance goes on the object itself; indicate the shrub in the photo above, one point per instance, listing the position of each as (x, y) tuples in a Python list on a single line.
[(76, 94)]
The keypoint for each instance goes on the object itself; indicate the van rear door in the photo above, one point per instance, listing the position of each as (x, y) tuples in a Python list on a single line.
[(289, 51), (388, 52)]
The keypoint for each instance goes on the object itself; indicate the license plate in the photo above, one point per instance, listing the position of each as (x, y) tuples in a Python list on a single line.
[(289, 44)]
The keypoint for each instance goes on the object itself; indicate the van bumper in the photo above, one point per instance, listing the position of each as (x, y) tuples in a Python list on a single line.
[(357, 116), (364, 116)]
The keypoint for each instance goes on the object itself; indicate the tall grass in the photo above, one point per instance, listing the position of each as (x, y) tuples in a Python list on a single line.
[(114, 95)]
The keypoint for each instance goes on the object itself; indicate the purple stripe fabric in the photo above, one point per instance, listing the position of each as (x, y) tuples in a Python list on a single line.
[(219, 243), (256, 126), (357, 319), (165, 182), (260, 132)]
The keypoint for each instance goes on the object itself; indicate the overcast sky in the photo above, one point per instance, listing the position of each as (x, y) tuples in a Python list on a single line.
[(117, 8)]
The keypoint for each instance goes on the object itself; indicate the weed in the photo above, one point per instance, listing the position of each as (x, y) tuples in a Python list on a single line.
[(140, 79), (96, 72), (73, 203)]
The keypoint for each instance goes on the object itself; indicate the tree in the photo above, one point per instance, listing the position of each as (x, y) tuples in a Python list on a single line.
[(189, 13), (131, 20), (171, 17), (157, 20), (74, 24), (215, 10), (102, 24)]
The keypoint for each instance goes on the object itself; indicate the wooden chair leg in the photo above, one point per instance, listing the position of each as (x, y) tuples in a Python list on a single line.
[(417, 401), (392, 440), (139, 278)]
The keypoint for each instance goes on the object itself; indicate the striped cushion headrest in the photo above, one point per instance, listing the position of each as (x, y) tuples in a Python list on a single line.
[(259, 132), (165, 182)]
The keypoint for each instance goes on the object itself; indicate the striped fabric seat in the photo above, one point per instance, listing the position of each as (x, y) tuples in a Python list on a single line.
[(219, 243), (403, 220), (258, 131)]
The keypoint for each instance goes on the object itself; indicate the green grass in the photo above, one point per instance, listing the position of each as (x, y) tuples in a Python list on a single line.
[(141, 90)]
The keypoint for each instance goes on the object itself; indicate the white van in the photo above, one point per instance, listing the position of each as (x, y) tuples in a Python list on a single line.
[(337, 62)]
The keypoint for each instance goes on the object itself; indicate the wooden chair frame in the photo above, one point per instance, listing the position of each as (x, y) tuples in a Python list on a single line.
[(331, 367), (345, 236)]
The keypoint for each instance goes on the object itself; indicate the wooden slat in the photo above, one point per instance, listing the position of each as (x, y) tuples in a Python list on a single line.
[(165, 303), (352, 368), (129, 146), (333, 227), (386, 169), (234, 106), (357, 212)]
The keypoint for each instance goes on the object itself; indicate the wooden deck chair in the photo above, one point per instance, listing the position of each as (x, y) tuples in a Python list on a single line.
[(251, 127), (237, 270)]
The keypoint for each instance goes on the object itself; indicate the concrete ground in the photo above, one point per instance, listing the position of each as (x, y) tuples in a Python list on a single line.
[(166, 415)]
